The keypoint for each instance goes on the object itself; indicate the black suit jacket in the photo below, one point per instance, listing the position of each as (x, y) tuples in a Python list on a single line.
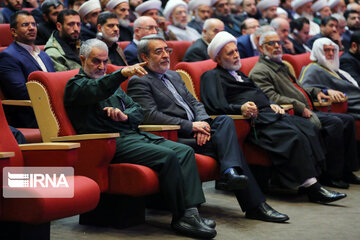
[(160, 105), (197, 52), (350, 64)]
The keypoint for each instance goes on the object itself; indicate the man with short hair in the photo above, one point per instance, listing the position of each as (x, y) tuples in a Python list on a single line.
[(268, 11), (249, 26), (198, 50), (50, 10), (248, 44), (89, 12), (11, 7), (222, 12), (143, 26), (282, 27), (108, 32), (353, 24), (63, 44), (324, 73), (225, 90), (17, 61), (337, 130), (166, 100), (95, 103), (176, 11), (329, 30), (350, 60), (299, 36), (151, 9), (121, 9), (201, 11), (303, 8)]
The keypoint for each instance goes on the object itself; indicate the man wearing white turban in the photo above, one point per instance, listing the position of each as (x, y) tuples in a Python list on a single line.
[(201, 11), (166, 100), (324, 73), (303, 8), (226, 90), (337, 130)]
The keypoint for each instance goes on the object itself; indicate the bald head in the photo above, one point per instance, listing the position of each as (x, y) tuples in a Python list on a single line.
[(144, 26), (282, 27), (211, 27)]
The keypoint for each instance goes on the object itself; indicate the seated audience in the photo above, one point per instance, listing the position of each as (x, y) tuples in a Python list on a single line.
[(121, 9), (198, 50), (108, 32), (143, 26), (303, 8), (337, 130), (337, 6), (268, 11), (350, 60), (286, 5), (201, 10), (299, 36), (176, 11), (165, 100), (225, 90), (249, 10), (248, 44), (324, 73), (11, 6), (89, 12), (50, 10), (91, 91), (151, 9), (17, 61), (222, 12), (282, 27), (329, 30), (132, 13), (63, 44)]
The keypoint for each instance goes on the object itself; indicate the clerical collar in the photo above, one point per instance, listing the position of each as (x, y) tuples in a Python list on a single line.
[(236, 76), (31, 49)]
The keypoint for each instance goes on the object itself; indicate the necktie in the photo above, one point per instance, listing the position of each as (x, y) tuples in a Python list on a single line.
[(178, 98)]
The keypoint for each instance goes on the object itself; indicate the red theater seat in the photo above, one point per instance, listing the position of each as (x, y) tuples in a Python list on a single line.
[(5, 36), (179, 49)]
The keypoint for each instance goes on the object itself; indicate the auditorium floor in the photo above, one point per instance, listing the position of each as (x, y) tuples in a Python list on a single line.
[(308, 221)]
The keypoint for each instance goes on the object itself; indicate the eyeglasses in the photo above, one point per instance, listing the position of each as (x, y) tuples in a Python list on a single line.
[(27, 24), (272, 43), (160, 51), (151, 28)]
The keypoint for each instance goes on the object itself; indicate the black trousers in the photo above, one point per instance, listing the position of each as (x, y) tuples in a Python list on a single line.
[(225, 148), (175, 164), (339, 132)]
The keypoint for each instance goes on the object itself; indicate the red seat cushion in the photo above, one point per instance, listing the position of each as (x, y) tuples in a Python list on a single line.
[(32, 135)]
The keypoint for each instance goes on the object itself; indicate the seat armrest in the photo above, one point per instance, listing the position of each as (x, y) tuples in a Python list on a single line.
[(155, 128), (322, 104), (25, 103), (50, 154), (235, 117), (80, 137), (287, 107), (4, 155)]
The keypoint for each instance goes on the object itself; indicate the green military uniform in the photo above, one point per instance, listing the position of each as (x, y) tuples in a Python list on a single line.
[(84, 100)]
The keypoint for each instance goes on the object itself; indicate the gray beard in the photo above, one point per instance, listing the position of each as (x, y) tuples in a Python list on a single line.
[(124, 22)]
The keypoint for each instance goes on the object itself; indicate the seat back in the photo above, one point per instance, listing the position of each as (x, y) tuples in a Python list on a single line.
[(179, 49), (297, 61), (5, 36), (49, 109), (247, 64), (123, 44)]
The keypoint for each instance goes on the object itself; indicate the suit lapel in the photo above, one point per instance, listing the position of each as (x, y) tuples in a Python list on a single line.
[(27, 55)]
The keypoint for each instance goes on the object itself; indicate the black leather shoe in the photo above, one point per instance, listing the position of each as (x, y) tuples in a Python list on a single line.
[(334, 183), (209, 222), (232, 181), (323, 195), (266, 213), (193, 227), (351, 178)]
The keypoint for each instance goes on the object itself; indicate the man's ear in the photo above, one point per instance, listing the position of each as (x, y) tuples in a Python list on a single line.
[(218, 59), (58, 26), (13, 32), (82, 59), (144, 57), (261, 48), (99, 27), (354, 46)]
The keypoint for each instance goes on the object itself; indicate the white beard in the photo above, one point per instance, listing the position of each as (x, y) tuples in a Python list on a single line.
[(307, 16), (109, 38), (276, 58), (231, 66), (179, 24)]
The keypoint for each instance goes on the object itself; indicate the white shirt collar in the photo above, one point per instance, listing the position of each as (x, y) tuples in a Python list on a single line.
[(31, 49)]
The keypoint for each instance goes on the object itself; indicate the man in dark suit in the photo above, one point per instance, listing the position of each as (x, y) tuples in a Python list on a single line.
[(353, 24), (350, 60), (248, 44), (198, 51), (165, 100), (17, 61)]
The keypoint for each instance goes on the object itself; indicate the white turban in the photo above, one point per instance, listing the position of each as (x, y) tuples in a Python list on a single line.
[(218, 42), (298, 3), (333, 3), (318, 54), (88, 6), (319, 5), (148, 5), (171, 5), (265, 4), (194, 4), (113, 3), (238, 2), (280, 11)]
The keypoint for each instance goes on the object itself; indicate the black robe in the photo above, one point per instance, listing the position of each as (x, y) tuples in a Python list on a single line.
[(293, 143)]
